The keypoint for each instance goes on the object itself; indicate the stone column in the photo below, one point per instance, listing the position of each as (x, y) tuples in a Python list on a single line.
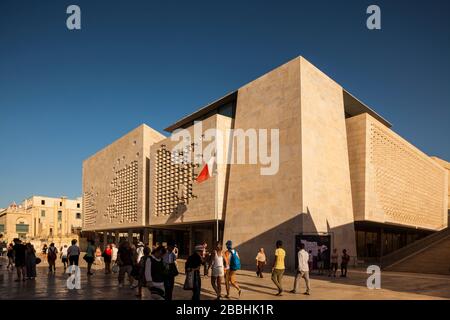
[(117, 236), (145, 239), (130, 235), (105, 238), (191, 240)]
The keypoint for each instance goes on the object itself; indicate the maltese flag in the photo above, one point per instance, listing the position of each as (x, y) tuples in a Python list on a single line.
[(207, 171)]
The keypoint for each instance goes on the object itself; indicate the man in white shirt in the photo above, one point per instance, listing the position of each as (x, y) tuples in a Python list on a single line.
[(114, 254), (303, 269)]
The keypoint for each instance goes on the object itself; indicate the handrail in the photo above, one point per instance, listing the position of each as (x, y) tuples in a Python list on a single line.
[(412, 248)]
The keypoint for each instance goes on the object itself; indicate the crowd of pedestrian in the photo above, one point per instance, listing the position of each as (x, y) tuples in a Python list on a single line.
[(155, 268)]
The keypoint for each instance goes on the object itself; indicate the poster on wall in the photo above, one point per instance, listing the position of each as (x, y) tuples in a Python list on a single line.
[(314, 242)]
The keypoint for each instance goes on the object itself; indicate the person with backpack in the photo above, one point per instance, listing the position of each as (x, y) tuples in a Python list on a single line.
[(170, 263), (278, 267), (233, 264), (52, 255), (344, 263), (155, 273), (193, 264)]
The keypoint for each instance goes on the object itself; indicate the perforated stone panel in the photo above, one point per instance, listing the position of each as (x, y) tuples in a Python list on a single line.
[(90, 209), (174, 178), (123, 196), (408, 186)]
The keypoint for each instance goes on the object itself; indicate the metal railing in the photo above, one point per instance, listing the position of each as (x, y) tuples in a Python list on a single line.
[(413, 248)]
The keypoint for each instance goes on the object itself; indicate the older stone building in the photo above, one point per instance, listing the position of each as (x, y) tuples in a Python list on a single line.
[(343, 178), (42, 220)]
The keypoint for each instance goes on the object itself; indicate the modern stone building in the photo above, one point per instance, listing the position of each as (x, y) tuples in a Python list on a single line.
[(42, 220), (344, 179)]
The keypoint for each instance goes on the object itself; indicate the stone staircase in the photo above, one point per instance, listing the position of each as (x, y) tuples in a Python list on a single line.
[(428, 255)]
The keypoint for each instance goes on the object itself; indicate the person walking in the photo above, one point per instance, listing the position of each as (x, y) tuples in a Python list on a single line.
[(98, 257), (64, 257), (233, 264), (107, 255), (310, 261), (142, 282), (19, 259), (30, 261), (278, 267), (345, 258), (52, 255), (303, 270), (319, 262), (89, 257), (193, 264), (73, 253), (260, 262), (217, 270), (154, 274), (334, 263), (170, 263), (125, 262), (139, 251), (10, 255), (206, 259), (44, 252), (114, 254)]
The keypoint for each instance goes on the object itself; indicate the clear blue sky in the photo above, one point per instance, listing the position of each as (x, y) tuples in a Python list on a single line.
[(64, 94)]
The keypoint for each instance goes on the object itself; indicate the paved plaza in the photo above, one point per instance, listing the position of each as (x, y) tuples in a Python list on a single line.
[(104, 287)]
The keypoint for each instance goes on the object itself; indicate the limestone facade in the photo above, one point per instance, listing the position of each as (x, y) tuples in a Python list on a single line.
[(115, 182), (40, 219), (445, 165), (339, 163), (393, 181)]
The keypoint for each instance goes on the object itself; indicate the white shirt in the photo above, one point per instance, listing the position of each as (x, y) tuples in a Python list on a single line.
[(114, 253), (140, 253), (303, 258), (217, 265), (64, 252)]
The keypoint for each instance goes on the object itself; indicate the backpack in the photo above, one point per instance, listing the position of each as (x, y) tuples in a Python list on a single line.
[(235, 262)]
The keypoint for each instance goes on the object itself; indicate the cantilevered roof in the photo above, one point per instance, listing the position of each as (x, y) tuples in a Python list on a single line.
[(202, 111), (354, 107)]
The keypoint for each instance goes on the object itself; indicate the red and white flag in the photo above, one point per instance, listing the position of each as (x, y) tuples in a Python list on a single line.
[(207, 171)]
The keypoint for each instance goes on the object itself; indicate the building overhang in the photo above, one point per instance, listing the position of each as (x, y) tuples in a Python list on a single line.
[(203, 111), (354, 107)]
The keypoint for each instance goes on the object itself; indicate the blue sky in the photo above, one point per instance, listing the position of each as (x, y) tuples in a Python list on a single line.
[(66, 94)]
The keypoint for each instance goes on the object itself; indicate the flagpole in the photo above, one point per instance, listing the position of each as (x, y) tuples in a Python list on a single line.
[(216, 202)]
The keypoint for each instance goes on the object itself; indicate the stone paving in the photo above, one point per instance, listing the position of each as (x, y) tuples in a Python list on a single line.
[(104, 287)]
